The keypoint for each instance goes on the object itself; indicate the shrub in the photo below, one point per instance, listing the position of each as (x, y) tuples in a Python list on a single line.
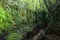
[(14, 36)]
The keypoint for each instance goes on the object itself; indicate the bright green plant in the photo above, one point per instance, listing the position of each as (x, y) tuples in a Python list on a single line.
[(14, 36), (6, 21)]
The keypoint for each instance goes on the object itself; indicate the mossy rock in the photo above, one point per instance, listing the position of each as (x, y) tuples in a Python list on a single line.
[(14, 36)]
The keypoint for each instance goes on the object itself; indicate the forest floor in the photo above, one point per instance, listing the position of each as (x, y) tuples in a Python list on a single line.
[(37, 36), (47, 37), (52, 37)]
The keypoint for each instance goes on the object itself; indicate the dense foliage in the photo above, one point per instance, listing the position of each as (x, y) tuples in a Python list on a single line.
[(18, 17)]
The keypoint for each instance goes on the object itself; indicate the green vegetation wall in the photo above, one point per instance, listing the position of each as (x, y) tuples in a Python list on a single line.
[(18, 17)]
